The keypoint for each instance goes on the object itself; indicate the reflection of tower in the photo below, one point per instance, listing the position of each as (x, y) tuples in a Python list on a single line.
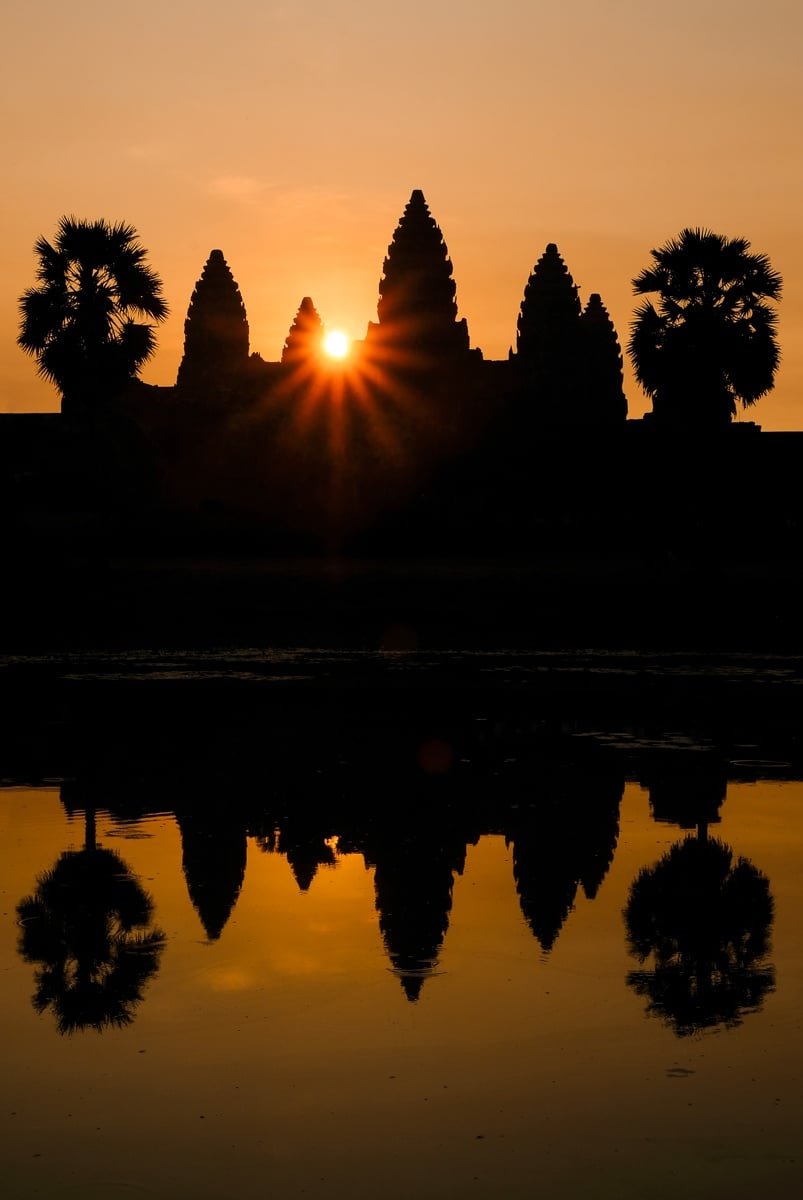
[(704, 919), (564, 839), (417, 309), (213, 856), (303, 840), (414, 876)]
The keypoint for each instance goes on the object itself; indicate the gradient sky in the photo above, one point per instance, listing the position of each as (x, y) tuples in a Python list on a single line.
[(290, 135)]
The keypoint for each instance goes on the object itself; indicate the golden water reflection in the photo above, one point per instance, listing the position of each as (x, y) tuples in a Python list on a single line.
[(287, 1040)]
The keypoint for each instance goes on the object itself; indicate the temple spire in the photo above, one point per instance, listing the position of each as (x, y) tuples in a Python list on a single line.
[(417, 309), (305, 336), (605, 400), (548, 339), (215, 331)]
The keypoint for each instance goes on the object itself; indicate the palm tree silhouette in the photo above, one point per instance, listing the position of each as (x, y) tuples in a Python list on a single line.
[(89, 928), (705, 921), (83, 320), (711, 341)]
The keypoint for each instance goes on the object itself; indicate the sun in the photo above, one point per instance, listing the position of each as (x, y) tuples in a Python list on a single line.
[(336, 344)]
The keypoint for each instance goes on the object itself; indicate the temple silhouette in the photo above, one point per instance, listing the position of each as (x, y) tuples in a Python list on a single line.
[(415, 446), (567, 362), (402, 438), (215, 332)]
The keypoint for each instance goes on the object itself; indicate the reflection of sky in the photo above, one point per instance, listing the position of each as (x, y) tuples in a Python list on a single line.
[(293, 142), (288, 1048)]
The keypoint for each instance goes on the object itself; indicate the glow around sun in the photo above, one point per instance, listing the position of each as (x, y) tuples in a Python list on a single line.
[(336, 344)]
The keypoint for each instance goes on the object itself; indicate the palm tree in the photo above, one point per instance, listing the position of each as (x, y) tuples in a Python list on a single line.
[(711, 341), (83, 320)]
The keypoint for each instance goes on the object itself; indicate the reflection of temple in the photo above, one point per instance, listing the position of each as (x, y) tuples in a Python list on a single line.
[(563, 839), (415, 862), (442, 785), (213, 858), (303, 842), (562, 821), (213, 846)]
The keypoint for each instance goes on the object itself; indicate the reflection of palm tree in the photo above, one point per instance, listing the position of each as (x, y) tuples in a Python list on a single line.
[(705, 920), (88, 926)]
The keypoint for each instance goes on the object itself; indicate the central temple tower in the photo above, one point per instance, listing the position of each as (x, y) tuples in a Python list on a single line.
[(417, 311)]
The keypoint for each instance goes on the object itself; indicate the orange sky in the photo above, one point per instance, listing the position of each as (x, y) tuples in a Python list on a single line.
[(291, 135)]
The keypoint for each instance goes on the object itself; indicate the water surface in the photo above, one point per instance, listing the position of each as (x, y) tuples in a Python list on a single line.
[(435, 998)]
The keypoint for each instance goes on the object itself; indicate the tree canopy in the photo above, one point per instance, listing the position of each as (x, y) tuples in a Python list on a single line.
[(710, 341), (89, 321)]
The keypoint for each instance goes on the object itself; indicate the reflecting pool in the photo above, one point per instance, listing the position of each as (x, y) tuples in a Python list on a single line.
[(579, 979)]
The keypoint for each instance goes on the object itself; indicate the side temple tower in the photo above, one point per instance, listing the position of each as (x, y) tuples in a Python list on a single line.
[(215, 331)]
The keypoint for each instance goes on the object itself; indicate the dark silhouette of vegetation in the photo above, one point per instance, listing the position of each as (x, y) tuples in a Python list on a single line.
[(417, 310), (704, 919), (305, 339), (89, 928), (711, 341), (83, 320), (215, 332)]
